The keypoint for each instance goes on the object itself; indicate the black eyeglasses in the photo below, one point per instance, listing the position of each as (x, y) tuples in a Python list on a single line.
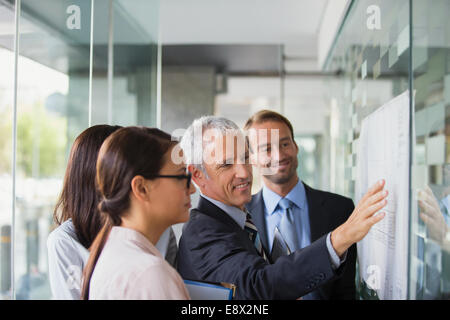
[(178, 177)]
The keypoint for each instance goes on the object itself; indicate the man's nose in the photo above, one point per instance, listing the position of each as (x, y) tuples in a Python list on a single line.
[(242, 171), (275, 154)]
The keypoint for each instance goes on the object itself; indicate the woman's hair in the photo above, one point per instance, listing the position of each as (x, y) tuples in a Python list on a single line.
[(79, 199), (128, 152)]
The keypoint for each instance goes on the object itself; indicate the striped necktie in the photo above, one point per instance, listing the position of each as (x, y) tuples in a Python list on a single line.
[(253, 235)]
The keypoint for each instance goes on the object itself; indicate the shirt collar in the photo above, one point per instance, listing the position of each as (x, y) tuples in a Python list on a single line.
[(127, 234), (297, 195), (236, 214)]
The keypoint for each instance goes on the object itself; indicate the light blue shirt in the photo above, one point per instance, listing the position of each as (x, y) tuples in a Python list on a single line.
[(300, 210)]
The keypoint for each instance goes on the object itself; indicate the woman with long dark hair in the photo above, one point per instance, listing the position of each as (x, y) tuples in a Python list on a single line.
[(143, 192), (78, 218), (76, 214)]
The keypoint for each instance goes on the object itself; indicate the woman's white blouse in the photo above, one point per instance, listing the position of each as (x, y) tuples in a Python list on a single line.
[(67, 258), (130, 267)]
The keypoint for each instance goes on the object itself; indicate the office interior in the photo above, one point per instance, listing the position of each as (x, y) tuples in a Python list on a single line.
[(66, 65)]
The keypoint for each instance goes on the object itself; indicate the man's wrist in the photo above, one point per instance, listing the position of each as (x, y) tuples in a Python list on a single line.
[(338, 240)]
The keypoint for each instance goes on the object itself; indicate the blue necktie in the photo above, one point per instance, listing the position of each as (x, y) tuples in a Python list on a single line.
[(287, 225), (285, 238)]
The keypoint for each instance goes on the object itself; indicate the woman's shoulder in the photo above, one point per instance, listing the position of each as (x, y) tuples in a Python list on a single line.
[(64, 238), (132, 259), (65, 231)]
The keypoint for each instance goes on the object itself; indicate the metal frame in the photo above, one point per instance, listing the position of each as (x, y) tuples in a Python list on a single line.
[(14, 143)]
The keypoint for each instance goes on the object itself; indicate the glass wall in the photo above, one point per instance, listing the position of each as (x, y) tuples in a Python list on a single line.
[(430, 220), (309, 159), (78, 64), (7, 32), (375, 61), (371, 59), (125, 53)]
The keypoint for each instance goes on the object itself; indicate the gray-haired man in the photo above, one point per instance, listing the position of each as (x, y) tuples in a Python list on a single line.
[(220, 243)]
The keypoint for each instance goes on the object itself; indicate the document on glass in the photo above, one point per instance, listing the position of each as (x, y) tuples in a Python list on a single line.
[(383, 153)]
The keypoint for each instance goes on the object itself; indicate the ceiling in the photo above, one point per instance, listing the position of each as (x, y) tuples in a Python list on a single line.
[(248, 35), (294, 23), (238, 35), (230, 59)]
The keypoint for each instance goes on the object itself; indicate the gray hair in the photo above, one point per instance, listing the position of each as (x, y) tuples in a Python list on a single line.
[(192, 140)]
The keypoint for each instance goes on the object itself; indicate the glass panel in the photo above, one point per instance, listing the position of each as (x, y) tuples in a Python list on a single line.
[(52, 110), (135, 61), (430, 220), (371, 61), (134, 66), (7, 33), (309, 159)]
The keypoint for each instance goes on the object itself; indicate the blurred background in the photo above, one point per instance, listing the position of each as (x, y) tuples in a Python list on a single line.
[(325, 64)]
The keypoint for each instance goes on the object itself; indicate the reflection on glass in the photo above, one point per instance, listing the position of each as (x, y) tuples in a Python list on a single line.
[(6, 140), (430, 240), (372, 68), (375, 66), (49, 114), (53, 108)]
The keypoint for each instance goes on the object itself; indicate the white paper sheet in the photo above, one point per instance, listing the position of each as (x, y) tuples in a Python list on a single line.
[(383, 153)]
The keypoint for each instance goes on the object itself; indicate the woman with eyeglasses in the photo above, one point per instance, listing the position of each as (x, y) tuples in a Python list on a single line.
[(143, 192)]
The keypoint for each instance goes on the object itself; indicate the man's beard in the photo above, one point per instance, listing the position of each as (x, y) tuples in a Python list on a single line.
[(282, 178)]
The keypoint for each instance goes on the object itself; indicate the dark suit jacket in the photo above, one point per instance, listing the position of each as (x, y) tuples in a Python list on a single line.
[(213, 247), (326, 212)]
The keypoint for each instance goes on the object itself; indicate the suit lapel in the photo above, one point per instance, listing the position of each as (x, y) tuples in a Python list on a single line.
[(207, 207), (318, 220)]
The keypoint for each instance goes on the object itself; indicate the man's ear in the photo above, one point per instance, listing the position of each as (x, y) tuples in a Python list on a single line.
[(140, 188), (197, 175)]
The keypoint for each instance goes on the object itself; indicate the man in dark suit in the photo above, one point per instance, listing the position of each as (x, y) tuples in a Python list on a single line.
[(326, 212), (220, 243), (314, 213)]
